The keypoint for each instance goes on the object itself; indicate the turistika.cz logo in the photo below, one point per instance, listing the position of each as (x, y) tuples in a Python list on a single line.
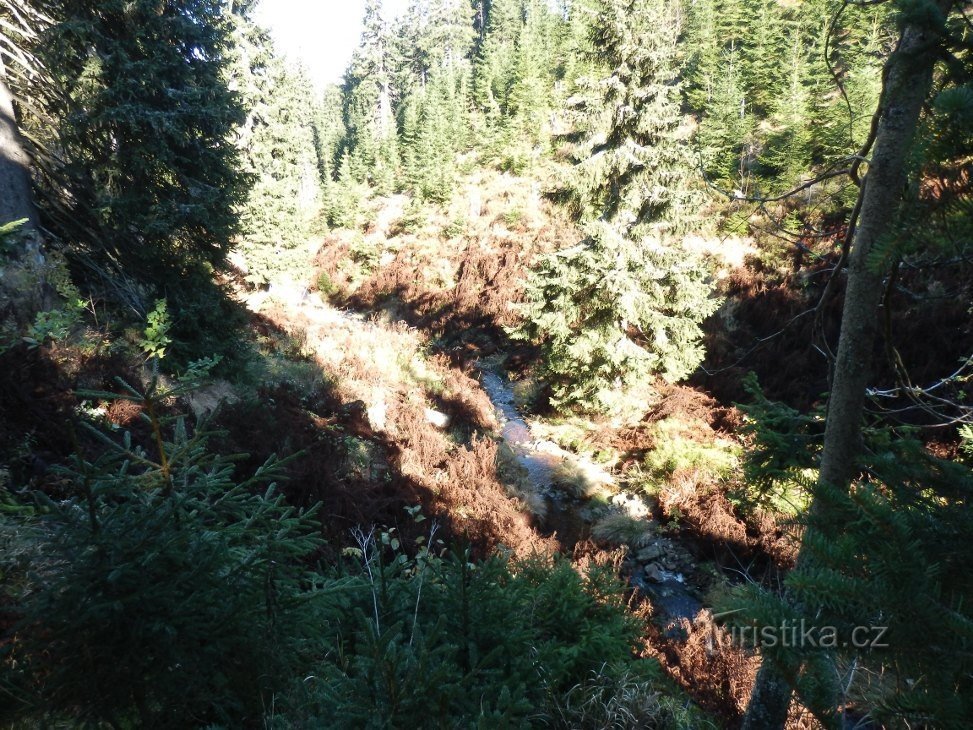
[(802, 635)]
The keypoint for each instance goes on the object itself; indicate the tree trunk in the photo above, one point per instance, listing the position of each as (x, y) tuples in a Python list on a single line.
[(16, 201), (908, 83), (23, 287)]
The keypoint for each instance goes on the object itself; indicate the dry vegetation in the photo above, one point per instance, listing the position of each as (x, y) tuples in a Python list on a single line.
[(441, 285), (433, 424), (456, 272)]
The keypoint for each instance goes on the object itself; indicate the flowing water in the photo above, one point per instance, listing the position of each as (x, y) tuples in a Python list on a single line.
[(569, 518)]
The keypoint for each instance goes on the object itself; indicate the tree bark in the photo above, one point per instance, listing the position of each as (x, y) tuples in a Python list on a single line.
[(908, 83), (16, 200), (23, 287)]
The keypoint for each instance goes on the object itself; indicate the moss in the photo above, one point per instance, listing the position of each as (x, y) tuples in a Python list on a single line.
[(676, 451)]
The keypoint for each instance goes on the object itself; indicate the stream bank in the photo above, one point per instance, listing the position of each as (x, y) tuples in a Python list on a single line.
[(657, 567)]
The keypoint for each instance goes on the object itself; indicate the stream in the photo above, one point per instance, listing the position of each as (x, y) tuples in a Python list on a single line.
[(571, 518)]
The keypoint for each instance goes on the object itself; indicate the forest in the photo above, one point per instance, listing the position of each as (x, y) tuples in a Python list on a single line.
[(568, 364)]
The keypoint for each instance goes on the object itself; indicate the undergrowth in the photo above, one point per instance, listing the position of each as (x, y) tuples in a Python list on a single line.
[(166, 590)]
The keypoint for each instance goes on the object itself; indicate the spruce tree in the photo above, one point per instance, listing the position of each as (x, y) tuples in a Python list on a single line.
[(132, 124), (369, 115), (328, 130), (518, 63), (495, 65), (280, 153), (433, 133), (703, 45), (625, 303), (727, 128), (763, 49), (788, 147), (147, 137), (436, 38), (162, 592)]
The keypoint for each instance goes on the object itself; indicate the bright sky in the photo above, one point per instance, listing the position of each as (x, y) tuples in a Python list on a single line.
[(321, 33)]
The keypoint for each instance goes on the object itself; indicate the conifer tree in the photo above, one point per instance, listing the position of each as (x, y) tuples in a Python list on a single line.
[(433, 133), (626, 303), (433, 35), (882, 585), (329, 130), (515, 71), (495, 65), (727, 127), (151, 122), (764, 46), (788, 147), (704, 49), (851, 43), (369, 116), (132, 124), (163, 592), (280, 154), (436, 38), (634, 164)]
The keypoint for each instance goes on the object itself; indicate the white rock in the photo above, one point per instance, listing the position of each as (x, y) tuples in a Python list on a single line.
[(377, 413), (206, 400), (437, 419)]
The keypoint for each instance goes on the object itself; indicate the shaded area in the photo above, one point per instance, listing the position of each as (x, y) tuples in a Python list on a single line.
[(366, 464), (928, 320)]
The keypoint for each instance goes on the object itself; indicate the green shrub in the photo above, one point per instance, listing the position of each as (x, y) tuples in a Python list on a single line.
[(164, 593), (454, 229), (674, 451), (513, 217), (346, 199), (489, 644), (326, 287), (414, 218), (784, 446), (365, 253)]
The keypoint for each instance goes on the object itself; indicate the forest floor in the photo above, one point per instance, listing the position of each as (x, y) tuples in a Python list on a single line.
[(433, 405), (385, 375)]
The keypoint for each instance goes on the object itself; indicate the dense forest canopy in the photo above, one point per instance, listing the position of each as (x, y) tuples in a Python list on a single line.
[(548, 370)]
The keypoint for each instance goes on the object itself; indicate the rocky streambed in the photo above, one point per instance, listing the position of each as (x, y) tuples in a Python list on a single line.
[(658, 567)]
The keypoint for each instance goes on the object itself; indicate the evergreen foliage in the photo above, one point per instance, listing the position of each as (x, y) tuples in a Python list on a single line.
[(611, 314), (434, 117), (891, 553), (627, 302), (433, 134), (146, 138), (131, 124), (328, 132), (779, 89), (518, 61), (783, 446), (281, 151), (485, 644), (345, 204), (371, 142), (163, 591)]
